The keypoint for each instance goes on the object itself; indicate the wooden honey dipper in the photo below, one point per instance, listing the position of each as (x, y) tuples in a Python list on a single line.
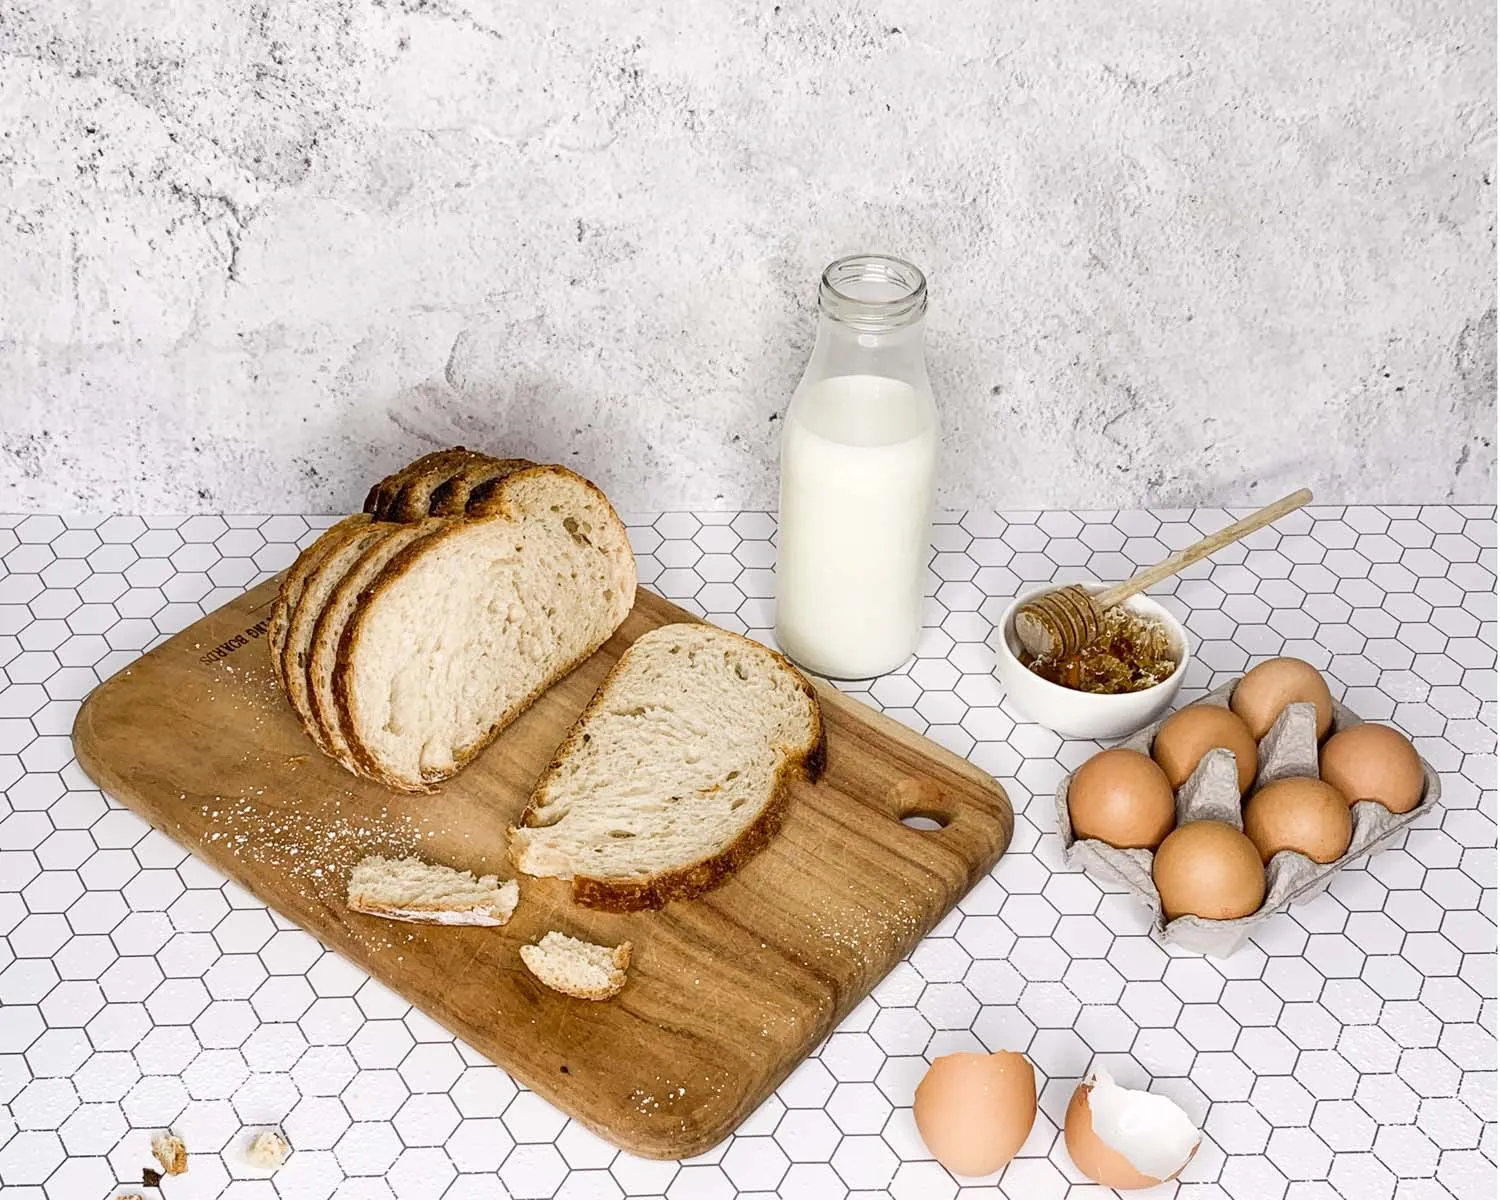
[(1062, 622)]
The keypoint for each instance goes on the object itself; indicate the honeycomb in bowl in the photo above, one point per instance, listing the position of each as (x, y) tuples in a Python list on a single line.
[(1132, 652)]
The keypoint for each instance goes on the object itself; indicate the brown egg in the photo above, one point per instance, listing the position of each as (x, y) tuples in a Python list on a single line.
[(1373, 762), (1105, 1122), (1208, 869), (1299, 814), (1190, 733), (974, 1111), (1269, 687), (1122, 797)]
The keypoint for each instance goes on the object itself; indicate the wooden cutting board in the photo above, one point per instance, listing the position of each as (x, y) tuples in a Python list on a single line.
[(726, 993)]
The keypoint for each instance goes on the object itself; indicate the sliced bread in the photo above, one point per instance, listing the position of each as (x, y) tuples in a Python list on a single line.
[(338, 606), (344, 550), (408, 889), (676, 773), (578, 968), (295, 579), (462, 630)]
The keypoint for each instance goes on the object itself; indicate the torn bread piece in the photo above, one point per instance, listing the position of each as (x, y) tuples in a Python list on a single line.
[(267, 1150), (578, 968), (408, 889), (170, 1151)]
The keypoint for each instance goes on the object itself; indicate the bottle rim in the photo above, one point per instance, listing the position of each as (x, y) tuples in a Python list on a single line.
[(873, 292)]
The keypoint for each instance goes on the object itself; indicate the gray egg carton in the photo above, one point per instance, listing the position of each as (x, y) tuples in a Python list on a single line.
[(1212, 793)]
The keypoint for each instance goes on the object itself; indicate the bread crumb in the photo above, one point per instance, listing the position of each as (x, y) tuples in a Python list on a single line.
[(171, 1152), (267, 1150)]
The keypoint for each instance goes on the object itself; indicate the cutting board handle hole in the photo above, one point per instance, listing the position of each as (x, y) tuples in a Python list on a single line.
[(919, 805)]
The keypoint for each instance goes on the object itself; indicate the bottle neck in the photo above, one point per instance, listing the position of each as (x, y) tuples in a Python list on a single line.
[(871, 314), (873, 293), (843, 350)]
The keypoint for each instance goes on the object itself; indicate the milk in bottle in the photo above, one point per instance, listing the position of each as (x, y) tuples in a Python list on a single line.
[(858, 457)]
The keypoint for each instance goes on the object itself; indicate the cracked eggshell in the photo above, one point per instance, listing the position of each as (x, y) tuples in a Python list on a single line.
[(975, 1111), (1126, 1139)]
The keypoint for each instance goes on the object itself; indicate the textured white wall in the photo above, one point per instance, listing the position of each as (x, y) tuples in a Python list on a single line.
[(254, 254)]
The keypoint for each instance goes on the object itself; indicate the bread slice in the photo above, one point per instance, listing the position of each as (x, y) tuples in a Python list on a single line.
[(344, 549), (676, 774), (578, 968), (461, 631), (295, 579), (409, 889), (338, 606)]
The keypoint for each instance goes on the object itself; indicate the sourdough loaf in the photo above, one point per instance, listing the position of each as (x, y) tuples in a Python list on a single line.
[(676, 773), (463, 629), (406, 642)]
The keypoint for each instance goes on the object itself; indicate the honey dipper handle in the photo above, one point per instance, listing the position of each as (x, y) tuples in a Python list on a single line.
[(1209, 545)]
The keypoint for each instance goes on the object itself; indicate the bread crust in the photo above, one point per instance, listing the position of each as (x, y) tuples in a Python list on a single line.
[(331, 733), (293, 582), (451, 497), (807, 761), (383, 494), (413, 500), (292, 660), (491, 504)]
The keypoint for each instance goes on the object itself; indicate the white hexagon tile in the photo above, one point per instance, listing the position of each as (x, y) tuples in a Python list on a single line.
[(1347, 1051)]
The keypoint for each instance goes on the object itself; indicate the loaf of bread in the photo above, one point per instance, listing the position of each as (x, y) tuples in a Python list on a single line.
[(408, 636), (578, 968), (676, 773)]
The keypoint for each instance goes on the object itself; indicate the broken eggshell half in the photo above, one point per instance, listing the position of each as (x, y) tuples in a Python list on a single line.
[(1124, 1138)]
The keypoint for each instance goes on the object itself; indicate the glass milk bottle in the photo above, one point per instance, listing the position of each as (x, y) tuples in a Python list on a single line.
[(858, 459)]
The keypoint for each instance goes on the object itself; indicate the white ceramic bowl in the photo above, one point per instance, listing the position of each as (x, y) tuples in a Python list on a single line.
[(1084, 714)]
